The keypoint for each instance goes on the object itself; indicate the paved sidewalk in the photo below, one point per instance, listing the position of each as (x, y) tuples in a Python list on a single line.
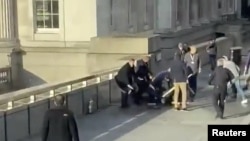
[(142, 124)]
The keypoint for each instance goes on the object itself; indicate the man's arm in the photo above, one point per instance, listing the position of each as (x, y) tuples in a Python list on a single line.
[(199, 63), (73, 128), (247, 64), (211, 78), (45, 128)]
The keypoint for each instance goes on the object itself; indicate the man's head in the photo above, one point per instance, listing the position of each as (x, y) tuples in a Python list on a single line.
[(131, 62), (146, 58), (59, 100), (220, 62), (193, 50), (180, 46)]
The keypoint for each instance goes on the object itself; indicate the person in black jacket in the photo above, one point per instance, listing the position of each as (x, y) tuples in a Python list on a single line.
[(143, 76), (59, 123), (124, 80), (178, 72), (156, 88), (219, 78), (181, 51), (212, 53)]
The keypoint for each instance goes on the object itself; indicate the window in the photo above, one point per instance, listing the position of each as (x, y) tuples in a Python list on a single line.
[(47, 14)]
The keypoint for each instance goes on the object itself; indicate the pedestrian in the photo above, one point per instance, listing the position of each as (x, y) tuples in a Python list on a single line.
[(246, 69), (59, 123), (180, 51), (124, 80), (179, 77), (212, 53), (157, 87), (143, 77), (235, 70), (193, 63), (220, 78)]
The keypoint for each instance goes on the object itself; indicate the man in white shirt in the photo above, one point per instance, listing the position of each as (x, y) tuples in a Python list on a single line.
[(230, 65)]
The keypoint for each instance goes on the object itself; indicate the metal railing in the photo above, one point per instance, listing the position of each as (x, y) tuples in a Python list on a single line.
[(5, 75), (28, 96)]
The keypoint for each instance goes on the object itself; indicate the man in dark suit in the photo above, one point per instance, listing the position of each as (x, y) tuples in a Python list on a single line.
[(59, 123), (124, 80), (219, 78), (178, 73), (212, 53), (142, 77)]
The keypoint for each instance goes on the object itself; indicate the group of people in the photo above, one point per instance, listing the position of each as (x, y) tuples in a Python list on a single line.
[(135, 78)]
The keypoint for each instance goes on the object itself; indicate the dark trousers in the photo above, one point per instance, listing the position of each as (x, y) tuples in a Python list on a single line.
[(142, 87), (124, 93), (192, 82), (218, 99), (154, 95), (212, 61)]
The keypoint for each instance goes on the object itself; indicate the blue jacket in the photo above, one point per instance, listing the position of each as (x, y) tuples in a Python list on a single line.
[(159, 78)]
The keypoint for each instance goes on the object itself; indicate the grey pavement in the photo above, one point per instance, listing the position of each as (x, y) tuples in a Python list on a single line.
[(143, 124)]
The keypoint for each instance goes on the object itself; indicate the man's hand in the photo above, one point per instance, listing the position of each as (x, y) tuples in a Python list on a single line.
[(245, 71), (199, 70)]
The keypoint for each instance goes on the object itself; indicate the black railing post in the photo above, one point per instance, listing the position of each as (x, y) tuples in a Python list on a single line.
[(110, 89), (5, 127)]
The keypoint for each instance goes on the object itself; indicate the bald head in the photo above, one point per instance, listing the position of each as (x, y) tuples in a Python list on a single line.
[(145, 58), (59, 100)]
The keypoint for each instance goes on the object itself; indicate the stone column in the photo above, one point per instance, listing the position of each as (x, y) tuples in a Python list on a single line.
[(214, 10), (165, 17), (7, 27), (194, 13), (185, 14), (204, 11)]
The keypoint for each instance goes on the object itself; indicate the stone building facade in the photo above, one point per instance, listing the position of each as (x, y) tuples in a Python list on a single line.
[(58, 35)]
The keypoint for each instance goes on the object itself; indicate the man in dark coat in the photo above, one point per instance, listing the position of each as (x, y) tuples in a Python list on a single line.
[(220, 78), (142, 78), (212, 53), (181, 51), (178, 72), (59, 123), (124, 80)]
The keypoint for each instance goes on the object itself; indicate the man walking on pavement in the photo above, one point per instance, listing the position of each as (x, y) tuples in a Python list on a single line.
[(179, 77), (219, 78), (193, 63), (124, 80), (235, 70), (212, 53), (143, 77), (59, 123)]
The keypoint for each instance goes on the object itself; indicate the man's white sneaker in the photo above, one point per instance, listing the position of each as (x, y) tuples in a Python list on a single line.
[(244, 101)]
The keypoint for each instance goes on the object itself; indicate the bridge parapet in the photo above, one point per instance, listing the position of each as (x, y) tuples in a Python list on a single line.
[(23, 110)]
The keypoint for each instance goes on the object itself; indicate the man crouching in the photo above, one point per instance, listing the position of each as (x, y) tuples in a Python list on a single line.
[(156, 89)]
